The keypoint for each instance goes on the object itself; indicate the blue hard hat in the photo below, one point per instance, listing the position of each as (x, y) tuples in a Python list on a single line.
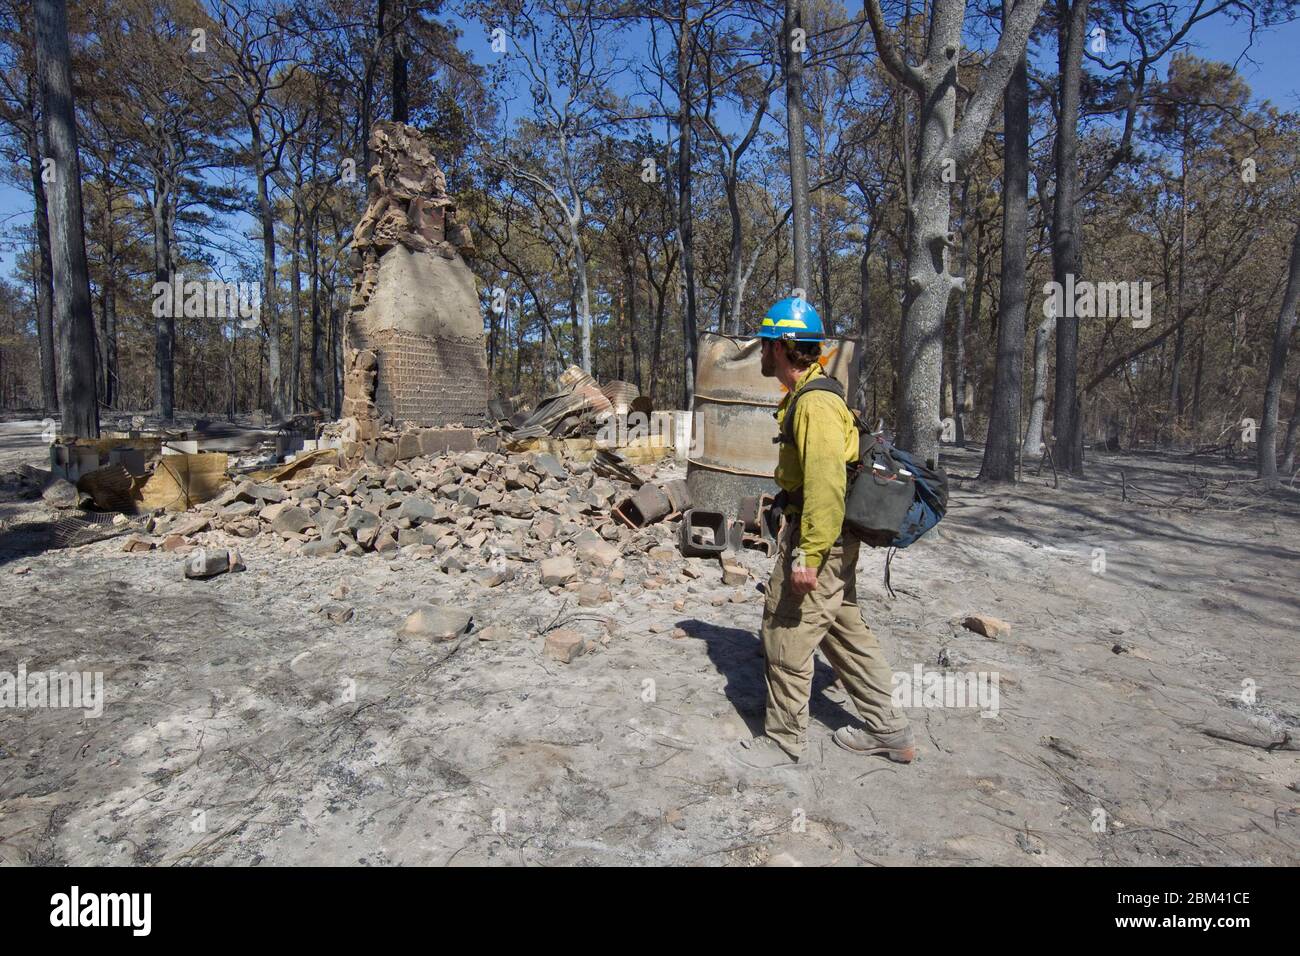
[(794, 319)]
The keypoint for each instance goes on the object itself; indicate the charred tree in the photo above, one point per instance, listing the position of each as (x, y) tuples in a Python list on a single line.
[(1067, 246), (74, 321), (44, 279), (792, 47), (1001, 451), (1286, 319)]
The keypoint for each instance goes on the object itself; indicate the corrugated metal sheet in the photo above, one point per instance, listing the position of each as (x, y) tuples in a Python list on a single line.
[(621, 395)]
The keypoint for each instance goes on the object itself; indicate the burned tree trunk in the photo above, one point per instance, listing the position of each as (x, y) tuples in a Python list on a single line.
[(1286, 319), (864, 319), (1067, 252), (109, 304), (729, 313), (1176, 399), (164, 369), (401, 99), (75, 324), (1289, 443), (792, 49), (685, 223), (317, 326), (295, 293), (1002, 447), (629, 286), (959, 371), (44, 276), (270, 300)]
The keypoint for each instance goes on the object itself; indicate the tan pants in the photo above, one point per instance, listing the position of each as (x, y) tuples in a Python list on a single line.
[(795, 625)]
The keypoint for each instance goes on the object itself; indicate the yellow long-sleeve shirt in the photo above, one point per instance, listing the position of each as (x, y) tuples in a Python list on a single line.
[(825, 439)]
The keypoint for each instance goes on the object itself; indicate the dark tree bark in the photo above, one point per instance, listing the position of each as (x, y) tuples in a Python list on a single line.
[(164, 348), (959, 371), (728, 302), (661, 307), (1067, 253), (1286, 319), (826, 297), (270, 301), (685, 226), (981, 283), (373, 63), (865, 348), (74, 321), (44, 275), (1175, 415), (109, 331), (317, 325), (173, 268), (1001, 450), (232, 378), (959, 332), (295, 292), (401, 104), (629, 293), (1197, 380), (336, 315), (1289, 443), (519, 345), (574, 323), (794, 115), (491, 342)]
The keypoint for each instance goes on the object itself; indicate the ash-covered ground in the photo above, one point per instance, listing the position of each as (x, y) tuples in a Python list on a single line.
[(1148, 695)]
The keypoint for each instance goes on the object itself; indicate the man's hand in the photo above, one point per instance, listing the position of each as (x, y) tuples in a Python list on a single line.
[(803, 580)]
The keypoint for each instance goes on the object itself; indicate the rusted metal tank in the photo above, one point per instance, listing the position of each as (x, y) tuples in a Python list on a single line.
[(733, 452)]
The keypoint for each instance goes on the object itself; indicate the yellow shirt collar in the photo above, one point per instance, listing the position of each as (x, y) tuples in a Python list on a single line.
[(810, 373)]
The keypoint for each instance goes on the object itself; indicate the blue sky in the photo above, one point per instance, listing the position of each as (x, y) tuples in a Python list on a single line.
[(1270, 70)]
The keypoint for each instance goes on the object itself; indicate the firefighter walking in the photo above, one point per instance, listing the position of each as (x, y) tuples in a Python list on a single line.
[(812, 592)]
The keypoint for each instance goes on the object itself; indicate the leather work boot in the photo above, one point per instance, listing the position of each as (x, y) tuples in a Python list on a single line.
[(762, 753), (899, 745)]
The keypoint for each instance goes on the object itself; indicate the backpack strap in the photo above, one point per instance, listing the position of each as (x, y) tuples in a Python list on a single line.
[(823, 383)]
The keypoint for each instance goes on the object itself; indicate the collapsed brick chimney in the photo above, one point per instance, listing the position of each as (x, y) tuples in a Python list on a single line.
[(415, 346)]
